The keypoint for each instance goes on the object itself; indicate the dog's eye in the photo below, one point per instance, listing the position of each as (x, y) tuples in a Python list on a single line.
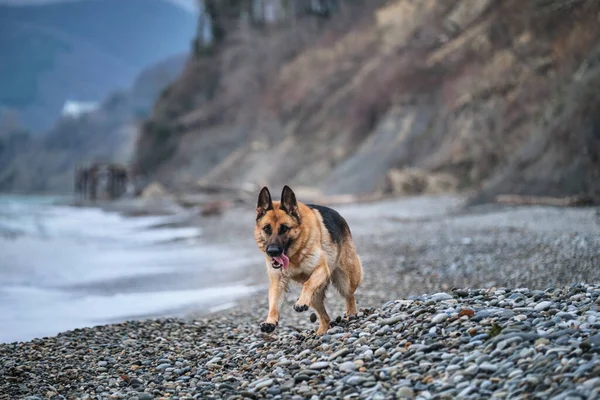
[(267, 229), (283, 229)]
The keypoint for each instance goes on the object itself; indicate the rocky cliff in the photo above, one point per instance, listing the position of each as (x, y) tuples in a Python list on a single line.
[(398, 96)]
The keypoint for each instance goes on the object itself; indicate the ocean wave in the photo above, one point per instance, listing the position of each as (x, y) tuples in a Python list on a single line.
[(63, 267)]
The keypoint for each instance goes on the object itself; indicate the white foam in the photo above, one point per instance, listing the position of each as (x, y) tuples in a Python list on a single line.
[(27, 313), (110, 227), (47, 221), (74, 267)]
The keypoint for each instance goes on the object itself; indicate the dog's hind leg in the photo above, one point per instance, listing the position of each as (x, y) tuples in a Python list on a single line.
[(346, 279), (350, 305), (318, 303)]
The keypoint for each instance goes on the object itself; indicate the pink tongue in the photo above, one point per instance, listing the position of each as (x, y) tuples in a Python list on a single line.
[(282, 260)]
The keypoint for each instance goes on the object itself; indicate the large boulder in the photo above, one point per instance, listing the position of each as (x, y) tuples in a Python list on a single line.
[(413, 181), (154, 190)]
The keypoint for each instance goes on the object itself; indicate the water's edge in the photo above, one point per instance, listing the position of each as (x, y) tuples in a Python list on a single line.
[(65, 267)]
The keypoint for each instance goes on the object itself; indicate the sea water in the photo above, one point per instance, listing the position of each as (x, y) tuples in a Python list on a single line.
[(65, 267)]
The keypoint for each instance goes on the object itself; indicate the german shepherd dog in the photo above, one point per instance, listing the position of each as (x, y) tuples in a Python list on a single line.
[(311, 245)]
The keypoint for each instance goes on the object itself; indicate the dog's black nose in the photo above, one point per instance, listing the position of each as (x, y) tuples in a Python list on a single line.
[(274, 250)]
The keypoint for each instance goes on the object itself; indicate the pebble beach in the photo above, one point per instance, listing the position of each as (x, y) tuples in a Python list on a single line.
[(498, 303), (495, 343)]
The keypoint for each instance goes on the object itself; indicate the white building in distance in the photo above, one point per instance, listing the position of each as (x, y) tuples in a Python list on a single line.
[(77, 108)]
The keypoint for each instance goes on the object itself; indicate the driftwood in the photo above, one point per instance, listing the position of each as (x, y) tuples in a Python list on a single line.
[(216, 199), (247, 194), (570, 201), (346, 199), (215, 208), (211, 188)]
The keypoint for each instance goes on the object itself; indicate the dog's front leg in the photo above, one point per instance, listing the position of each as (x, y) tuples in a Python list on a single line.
[(277, 285), (314, 285), (317, 282), (313, 294)]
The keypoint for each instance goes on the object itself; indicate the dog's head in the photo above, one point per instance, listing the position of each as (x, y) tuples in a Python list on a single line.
[(277, 225)]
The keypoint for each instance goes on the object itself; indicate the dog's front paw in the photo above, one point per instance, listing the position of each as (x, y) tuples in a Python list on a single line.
[(300, 307), (268, 327)]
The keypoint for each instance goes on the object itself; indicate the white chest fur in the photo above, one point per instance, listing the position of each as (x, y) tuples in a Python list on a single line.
[(309, 260)]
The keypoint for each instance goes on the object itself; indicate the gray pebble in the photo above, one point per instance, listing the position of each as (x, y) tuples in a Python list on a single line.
[(439, 318), (394, 319), (380, 351), (347, 366), (319, 365), (264, 384), (488, 367), (354, 380), (405, 393), (441, 297), (543, 305), (340, 353)]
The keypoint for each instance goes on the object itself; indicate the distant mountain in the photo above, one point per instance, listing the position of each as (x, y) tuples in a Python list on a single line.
[(82, 51), (45, 163)]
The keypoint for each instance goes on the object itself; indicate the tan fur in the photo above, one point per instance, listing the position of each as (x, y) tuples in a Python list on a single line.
[(315, 261)]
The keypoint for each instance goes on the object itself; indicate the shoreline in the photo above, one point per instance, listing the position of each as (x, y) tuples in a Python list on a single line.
[(66, 268), (409, 247), (458, 245)]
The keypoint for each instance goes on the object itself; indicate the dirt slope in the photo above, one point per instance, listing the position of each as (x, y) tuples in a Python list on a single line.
[(498, 95)]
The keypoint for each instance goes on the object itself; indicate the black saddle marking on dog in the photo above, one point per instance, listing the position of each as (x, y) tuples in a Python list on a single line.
[(336, 224)]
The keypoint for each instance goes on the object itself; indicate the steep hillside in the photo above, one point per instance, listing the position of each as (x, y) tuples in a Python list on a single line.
[(149, 84), (496, 96), (82, 51), (46, 163)]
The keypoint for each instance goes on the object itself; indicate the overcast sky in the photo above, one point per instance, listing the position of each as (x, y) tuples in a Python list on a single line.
[(189, 5)]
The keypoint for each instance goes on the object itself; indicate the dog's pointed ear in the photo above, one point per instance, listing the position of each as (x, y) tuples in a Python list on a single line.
[(264, 203), (288, 202)]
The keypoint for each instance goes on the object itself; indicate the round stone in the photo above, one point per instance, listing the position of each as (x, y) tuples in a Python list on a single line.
[(543, 305), (405, 393), (319, 365), (347, 366)]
